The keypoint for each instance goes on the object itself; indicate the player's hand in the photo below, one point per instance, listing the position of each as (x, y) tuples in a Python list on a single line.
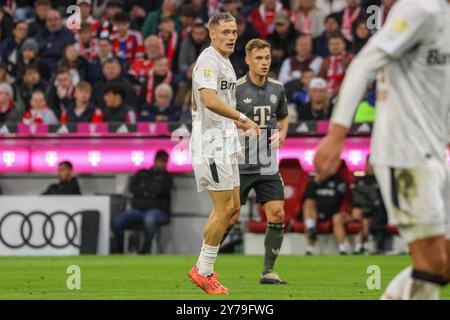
[(277, 139), (250, 127), (328, 156)]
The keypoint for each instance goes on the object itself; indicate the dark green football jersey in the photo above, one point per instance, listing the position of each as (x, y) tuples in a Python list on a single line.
[(265, 105)]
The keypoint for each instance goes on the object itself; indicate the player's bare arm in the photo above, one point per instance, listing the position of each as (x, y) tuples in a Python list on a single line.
[(370, 60), (214, 103)]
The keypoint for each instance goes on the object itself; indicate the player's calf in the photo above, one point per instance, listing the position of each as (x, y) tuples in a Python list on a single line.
[(339, 221)]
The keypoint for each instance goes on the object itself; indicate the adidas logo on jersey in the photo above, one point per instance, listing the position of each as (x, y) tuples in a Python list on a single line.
[(365, 127), (247, 100)]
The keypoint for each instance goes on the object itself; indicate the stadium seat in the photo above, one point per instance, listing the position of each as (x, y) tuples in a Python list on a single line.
[(295, 180)]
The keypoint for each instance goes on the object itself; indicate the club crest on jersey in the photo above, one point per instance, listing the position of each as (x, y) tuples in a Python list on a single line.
[(247, 100), (273, 99)]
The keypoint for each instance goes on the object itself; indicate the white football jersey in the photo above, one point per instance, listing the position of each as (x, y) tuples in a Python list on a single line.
[(212, 134), (413, 89)]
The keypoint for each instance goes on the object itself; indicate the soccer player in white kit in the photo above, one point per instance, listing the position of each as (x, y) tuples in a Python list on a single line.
[(412, 57), (214, 143)]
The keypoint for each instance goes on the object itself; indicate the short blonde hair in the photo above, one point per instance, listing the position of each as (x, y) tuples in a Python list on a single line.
[(223, 16), (256, 44)]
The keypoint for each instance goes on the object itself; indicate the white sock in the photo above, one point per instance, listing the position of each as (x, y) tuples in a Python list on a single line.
[(416, 289), (310, 223), (358, 247), (396, 287), (310, 248), (343, 247), (206, 259)]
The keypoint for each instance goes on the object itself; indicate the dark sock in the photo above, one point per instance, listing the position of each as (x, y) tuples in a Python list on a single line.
[(272, 244)]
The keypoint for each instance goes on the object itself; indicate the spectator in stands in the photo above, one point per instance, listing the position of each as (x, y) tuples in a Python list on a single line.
[(245, 32), (82, 109), (112, 72), (60, 93), (19, 9), (150, 205), (106, 28), (293, 67), (322, 202), (138, 10), (39, 112), (334, 67), (6, 24), (330, 6), (162, 110), (29, 56), (307, 18), (319, 106), (53, 39), (31, 80), (68, 183), (116, 109), (188, 18), (4, 75), (41, 9), (104, 53), (191, 47), (361, 35), (282, 40), (9, 113), (10, 48), (263, 17), (161, 73), (230, 6), (297, 90), (171, 41), (139, 70), (86, 43), (168, 10), (78, 66), (86, 14), (348, 16), (332, 27), (127, 44)]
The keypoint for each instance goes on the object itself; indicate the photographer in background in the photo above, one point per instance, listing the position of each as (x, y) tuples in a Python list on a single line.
[(150, 205)]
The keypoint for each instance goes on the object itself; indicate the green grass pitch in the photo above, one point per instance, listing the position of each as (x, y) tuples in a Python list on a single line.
[(165, 277)]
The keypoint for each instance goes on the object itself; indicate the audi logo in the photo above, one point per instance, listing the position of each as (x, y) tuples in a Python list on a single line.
[(27, 228)]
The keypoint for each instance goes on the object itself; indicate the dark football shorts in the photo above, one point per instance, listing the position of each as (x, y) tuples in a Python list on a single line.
[(267, 187)]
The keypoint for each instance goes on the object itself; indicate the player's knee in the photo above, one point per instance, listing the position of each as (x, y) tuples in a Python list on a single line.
[(338, 219), (277, 216)]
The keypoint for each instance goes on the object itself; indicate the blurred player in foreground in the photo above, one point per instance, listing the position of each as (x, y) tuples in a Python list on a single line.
[(214, 142), (410, 138)]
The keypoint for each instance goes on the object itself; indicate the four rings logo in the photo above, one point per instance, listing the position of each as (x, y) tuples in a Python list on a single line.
[(37, 223)]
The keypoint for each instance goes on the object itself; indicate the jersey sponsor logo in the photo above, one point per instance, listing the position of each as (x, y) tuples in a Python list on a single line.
[(435, 57), (261, 115), (247, 100), (225, 85)]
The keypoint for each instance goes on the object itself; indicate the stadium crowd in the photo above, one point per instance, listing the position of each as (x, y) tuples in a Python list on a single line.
[(137, 56)]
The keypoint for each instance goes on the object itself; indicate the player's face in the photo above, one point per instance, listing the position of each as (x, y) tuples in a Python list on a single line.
[(258, 61), (223, 36)]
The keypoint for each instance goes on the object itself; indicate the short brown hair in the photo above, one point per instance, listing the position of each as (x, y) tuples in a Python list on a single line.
[(83, 85), (256, 44), (223, 16)]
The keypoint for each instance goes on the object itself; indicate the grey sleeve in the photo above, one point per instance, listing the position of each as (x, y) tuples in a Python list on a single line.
[(183, 63), (282, 110)]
